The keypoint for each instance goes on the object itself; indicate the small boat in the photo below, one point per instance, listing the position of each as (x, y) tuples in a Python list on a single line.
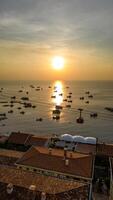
[(68, 106), (13, 97), (20, 91), (3, 101), (39, 119), (109, 109), (27, 105), (87, 102), (11, 105), (57, 117), (3, 118), (22, 112), (6, 105), (32, 86), (87, 92), (61, 94), (19, 108), (53, 96), (33, 106), (10, 111), (81, 98), (93, 115), (58, 107), (3, 114), (69, 96), (64, 99), (25, 98), (90, 96), (56, 111), (70, 101)]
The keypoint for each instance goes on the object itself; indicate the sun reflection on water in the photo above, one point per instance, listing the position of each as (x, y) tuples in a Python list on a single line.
[(58, 93)]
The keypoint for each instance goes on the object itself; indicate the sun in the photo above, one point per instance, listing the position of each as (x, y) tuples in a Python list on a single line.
[(58, 62)]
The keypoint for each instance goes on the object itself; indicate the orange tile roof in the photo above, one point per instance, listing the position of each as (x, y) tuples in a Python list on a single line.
[(38, 157), (11, 153), (47, 184)]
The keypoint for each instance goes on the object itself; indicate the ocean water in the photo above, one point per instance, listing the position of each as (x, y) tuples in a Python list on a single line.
[(100, 127)]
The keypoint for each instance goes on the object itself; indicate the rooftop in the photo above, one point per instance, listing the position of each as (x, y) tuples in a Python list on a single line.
[(105, 149), (39, 157), (47, 184), (11, 153), (18, 138)]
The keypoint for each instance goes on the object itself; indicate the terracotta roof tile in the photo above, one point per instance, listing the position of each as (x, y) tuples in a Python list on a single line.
[(38, 157), (47, 184), (11, 153)]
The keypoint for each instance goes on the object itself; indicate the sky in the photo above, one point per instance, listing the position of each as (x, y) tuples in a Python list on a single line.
[(32, 32)]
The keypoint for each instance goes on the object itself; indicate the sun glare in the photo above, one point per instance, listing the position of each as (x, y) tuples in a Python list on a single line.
[(58, 62)]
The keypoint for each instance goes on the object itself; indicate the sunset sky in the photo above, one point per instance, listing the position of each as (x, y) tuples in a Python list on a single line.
[(32, 32)]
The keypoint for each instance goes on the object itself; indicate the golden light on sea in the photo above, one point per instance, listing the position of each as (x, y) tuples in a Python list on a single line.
[(58, 92)]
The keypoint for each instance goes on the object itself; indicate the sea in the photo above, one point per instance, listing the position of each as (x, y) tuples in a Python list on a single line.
[(43, 96)]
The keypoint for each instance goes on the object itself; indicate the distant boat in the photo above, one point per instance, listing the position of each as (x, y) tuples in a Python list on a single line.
[(39, 119), (57, 117), (70, 101), (94, 115), (57, 111), (81, 98), (58, 107), (3, 114), (53, 96), (25, 98), (22, 112), (90, 96), (20, 91), (33, 106), (109, 109), (69, 96), (87, 92), (19, 108), (61, 94), (64, 99), (10, 111), (68, 106), (13, 97)]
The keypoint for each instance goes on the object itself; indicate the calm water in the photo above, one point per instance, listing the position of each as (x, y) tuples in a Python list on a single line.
[(101, 127)]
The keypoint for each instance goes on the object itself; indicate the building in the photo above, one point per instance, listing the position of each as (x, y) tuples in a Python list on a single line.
[(25, 185), (61, 164)]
